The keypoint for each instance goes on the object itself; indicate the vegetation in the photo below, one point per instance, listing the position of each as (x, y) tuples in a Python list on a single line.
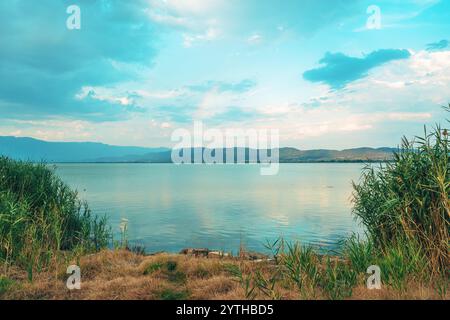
[(5, 284), (41, 218), (309, 275), (403, 205), (119, 274)]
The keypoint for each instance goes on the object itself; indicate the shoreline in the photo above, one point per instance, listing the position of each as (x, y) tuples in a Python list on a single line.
[(124, 275), (240, 163)]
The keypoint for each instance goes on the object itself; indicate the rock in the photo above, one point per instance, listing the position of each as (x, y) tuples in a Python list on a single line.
[(156, 253), (195, 252), (203, 252), (218, 254), (250, 255), (214, 254)]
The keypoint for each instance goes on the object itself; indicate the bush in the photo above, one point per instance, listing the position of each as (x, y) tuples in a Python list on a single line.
[(41, 216), (153, 267)]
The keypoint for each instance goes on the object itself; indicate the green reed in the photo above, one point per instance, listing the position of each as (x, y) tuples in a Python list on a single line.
[(40, 217), (407, 201)]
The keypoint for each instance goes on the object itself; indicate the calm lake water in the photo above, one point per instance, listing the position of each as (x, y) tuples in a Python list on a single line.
[(172, 207)]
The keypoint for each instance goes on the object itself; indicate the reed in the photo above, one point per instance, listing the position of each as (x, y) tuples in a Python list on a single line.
[(41, 217), (405, 203)]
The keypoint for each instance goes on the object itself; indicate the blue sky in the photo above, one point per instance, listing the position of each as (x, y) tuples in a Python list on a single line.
[(138, 70)]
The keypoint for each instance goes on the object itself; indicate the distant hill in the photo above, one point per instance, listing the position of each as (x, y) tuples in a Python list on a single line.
[(38, 150), (292, 155), (324, 155)]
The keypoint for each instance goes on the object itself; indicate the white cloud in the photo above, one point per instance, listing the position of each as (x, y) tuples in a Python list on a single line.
[(423, 79), (170, 20), (140, 131), (162, 95), (212, 103), (303, 122), (165, 125), (416, 84), (209, 35), (254, 39), (199, 20), (192, 15), (56, 129), (104, 94), (188, 7)]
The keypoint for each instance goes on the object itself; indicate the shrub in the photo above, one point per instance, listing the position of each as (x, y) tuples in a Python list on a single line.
[(152, 268), (171, 265), (170, 294), (5, 284)]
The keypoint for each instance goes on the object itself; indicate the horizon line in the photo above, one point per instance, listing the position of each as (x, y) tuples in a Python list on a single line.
[(170, 148)]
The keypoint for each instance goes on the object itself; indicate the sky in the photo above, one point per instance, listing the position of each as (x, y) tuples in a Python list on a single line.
[(326, 74)]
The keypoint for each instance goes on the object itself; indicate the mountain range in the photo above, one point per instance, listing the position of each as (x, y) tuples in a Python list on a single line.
[(38, 150)]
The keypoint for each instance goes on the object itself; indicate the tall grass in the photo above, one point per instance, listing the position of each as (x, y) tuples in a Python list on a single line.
[(296, 268), (408, 200), (40, 216)]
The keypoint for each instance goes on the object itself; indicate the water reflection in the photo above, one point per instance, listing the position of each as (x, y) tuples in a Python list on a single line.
[(171, 207)]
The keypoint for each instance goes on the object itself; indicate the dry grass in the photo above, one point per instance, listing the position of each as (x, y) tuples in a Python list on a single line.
[(122, 275), (112, 275)]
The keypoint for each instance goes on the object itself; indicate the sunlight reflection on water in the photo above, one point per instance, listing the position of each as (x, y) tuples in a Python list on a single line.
[(172, 207)]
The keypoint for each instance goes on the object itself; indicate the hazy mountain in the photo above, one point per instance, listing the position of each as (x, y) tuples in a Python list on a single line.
[(292, 155), (37, 150), (324, 155)]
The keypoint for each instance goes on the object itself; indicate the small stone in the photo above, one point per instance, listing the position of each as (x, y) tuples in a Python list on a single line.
[(215, 254), (249, 255)]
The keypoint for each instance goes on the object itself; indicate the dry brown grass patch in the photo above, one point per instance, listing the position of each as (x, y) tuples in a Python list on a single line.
[(119, 275)]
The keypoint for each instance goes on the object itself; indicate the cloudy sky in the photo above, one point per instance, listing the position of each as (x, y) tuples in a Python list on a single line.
[(138, 70)]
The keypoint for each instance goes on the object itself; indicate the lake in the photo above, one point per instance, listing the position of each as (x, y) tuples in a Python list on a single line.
[(171, 207)]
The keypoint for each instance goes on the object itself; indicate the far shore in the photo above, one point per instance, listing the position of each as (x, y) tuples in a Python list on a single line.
[(281, 162)]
